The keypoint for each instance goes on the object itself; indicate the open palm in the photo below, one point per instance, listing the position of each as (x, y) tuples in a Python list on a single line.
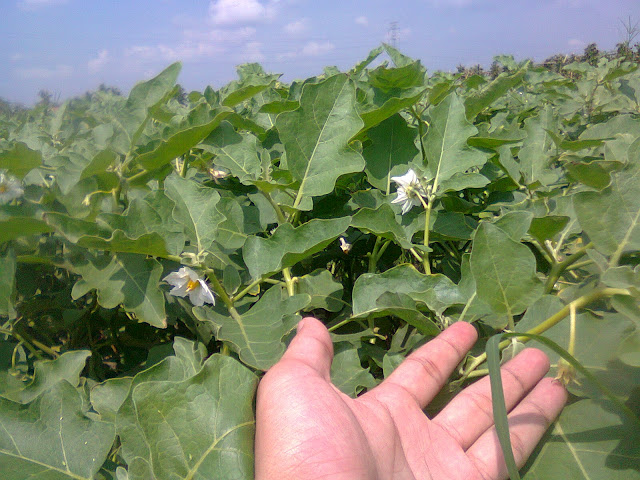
[(307, 429)]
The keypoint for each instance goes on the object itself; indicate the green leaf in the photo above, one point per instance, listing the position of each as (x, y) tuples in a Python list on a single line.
[(8, 284), (382, 222), (445, 142), (611, 217), (324, 291), (316, 135), (504, 271), (187, 135), (48, 373), (516, 224), (392, 148), (288, 244), (234, 151), (545, 228), (253, 80), (51, 438), (256, 334), (402, 77), (437, 292), (20, 160), (534, 156), (405, 307), (504, 82), (588, 440), (21, 221), (108, 396), (199, 427), (122, 278), (347, 373), (195, 208)]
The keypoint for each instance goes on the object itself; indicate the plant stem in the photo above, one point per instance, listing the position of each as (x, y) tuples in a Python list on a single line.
[(558, 267), (246, 290), (219, 289), (466, 307), (552, 320), (286, 273), (427, 217), (185, 166), (275, 206)]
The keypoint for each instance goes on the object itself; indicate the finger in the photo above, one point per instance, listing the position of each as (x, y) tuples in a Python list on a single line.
[(527, 423), (312, 346), (470, 413), (423, 373)]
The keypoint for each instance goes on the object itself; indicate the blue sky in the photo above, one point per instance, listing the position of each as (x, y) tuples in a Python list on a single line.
[(71, 46)]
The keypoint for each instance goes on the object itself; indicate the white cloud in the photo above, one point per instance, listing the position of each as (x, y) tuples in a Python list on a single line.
[(298, 27), (96, 64), (16, 57), (362, 21), (315, 49), (44, 73), (233, 12), (195, 45), (310, 49), (252, 52), (32, 5), (576, 43)]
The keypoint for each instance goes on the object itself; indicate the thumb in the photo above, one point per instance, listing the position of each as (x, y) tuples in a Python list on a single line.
[(312, 346)]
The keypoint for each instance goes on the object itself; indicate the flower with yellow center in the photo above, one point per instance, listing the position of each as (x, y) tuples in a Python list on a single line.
[(410, 191), (10, 188), (187, 282)]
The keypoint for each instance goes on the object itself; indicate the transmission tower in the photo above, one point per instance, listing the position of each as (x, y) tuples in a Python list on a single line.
[(393, 34)]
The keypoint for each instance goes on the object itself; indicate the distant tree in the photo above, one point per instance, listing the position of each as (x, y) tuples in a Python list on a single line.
[(591, 54), (181, 95), (495, 69)]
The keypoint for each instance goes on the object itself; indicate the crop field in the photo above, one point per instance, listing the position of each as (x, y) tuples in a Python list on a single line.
[(158, 250)]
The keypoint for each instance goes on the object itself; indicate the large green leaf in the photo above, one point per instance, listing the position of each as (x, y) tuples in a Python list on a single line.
[(195, 209), (611, 217), (199, 428), (437, 292), (588, 441), (47, 373), (21, 221), (257, 334), (316, 135), (234, 151), (51, 438), (392, 148), (504, 271), (185, 136), (122, 278), (534, 156), (445, 142), (381, 221), (20, 159), (289, 245), (478, 101)]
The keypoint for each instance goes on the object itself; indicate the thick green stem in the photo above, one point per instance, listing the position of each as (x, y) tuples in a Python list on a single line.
[(551, 321), (219, 289), (558, 268), (373, 256), (275, 206), (427, 219), (286, 273)]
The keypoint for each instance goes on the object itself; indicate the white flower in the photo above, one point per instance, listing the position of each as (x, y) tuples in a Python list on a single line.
[(346, 247), (10, 187), (187, 282), (409, 191)]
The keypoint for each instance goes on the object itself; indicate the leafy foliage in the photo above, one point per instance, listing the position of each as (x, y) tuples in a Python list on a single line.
[(280, 198)]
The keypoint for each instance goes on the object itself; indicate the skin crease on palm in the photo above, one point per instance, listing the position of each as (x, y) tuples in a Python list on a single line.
[(307, 429)]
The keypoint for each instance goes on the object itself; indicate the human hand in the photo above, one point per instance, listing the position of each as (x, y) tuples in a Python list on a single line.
[(308, 429)]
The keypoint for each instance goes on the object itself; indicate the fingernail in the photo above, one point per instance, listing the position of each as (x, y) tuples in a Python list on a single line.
[(301, 324)]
